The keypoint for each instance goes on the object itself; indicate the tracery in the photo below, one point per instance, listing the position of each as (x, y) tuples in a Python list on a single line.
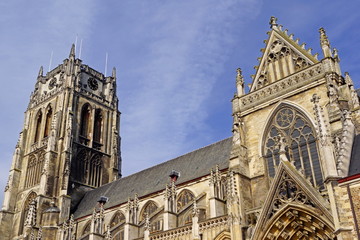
[(291, 125)]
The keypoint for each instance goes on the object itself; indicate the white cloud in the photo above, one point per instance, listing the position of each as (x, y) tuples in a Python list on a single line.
[(184, 58), (29, 32)]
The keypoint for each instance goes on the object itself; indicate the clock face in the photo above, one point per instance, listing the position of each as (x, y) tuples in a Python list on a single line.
[(93, 84), (52, 83)]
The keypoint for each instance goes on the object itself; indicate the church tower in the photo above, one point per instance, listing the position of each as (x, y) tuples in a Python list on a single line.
[(69, 144)]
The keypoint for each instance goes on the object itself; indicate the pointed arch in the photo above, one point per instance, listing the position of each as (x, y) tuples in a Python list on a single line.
[(149, 209), (80, 166), (97, 129), (86, 228), (85, 117), (34, 169), (224, 235), (185, 198), (291, 124), (26, 205), (297, 222), (48, 119), (38, 120), (117, 219)]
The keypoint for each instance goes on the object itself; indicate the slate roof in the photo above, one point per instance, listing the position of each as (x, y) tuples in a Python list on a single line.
[(191, 166), (355, 157)]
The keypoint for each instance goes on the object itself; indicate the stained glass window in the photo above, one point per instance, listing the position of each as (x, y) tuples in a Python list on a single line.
[(300, 140)]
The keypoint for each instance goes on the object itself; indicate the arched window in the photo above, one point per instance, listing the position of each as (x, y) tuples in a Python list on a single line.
[(119, 235), (34, 169), (185, 197), (117, 219), (48, 122), (95, 171), (85, 124), (299, 136), (38, 126), (97, 129), (29, 200), (149, 208), (88, 168), (86, 229)]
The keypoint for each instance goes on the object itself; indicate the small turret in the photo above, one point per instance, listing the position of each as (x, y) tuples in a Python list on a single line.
[(72, 52), (325, 44), (273, 22), (41, 72), (113, 73), (239, 82)]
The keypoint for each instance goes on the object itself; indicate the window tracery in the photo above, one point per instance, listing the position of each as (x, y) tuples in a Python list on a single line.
[(148, 210), (97, 129), (34, 169), (38, 126), (88, 168), (86, 229), (85, 124), (31, 197), (117, 219), (299, 137), (184, 198), (48, 122)]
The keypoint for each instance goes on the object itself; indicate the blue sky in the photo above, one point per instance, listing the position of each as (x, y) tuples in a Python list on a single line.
[(175, 61)]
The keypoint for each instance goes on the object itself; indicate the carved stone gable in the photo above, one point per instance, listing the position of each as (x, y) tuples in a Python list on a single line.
[(281, 57), (290, 190)]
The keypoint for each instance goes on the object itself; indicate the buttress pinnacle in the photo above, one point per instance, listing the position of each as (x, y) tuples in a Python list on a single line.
[(72, 51), (40, 71)]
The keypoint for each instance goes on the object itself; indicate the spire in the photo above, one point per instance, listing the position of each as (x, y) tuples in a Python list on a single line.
[(40, 71), (239, 82), (273, 22), (72, 51), (324, 42), (114, 72)]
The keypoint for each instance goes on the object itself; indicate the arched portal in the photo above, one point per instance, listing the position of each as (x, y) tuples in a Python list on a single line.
[(298, 222)]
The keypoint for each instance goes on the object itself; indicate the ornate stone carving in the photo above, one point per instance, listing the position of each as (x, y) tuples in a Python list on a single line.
[(108, 233), (286, 192), (239, 82), (281, 87), (321, 126), (30, 220)]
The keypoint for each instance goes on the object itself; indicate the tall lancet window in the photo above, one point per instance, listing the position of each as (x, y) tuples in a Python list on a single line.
[(97, 129), (300, 139), (48, 122), (85, 124), (38, 126)]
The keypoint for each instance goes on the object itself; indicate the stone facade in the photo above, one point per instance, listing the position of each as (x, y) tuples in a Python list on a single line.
[(289, 171)]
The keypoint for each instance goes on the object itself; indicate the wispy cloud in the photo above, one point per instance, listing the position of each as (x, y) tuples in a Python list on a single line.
[(183, 59), (28, 35)]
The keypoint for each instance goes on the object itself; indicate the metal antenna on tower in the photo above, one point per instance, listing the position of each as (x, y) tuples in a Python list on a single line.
[(51, 56), (106, 61), (76, 38), (80, 49)]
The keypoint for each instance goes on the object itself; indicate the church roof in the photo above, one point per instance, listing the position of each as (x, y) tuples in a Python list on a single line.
[(191, 166)]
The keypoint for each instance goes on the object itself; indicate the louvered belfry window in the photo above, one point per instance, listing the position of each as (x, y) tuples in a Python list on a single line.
[(300, 139)]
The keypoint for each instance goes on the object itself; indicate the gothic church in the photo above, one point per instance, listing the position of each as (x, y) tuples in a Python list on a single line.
[(290, 170)]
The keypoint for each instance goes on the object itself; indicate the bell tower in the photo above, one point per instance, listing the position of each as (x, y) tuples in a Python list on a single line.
[(69, 144)]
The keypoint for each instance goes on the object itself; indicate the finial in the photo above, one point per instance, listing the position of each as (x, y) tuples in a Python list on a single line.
[(239, 82), (324, 43), (323, 37), (72, 51), (273, 22), (40, 71), (114, 72)]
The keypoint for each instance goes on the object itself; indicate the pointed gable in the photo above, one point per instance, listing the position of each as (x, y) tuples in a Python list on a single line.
[(291, 201), (281, 57)]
